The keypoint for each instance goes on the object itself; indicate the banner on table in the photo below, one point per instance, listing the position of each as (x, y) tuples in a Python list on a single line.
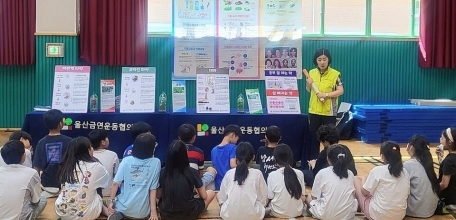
[(247, 37)]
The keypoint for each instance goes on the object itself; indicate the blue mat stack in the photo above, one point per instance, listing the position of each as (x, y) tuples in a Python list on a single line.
[(379, 123)]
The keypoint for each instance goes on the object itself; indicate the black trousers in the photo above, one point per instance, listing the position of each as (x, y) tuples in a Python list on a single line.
[(315, 121)]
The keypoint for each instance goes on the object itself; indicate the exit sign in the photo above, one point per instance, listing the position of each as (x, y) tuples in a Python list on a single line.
[(54, 50)]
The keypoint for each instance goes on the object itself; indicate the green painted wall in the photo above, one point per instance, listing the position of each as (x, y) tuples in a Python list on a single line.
[(372, 71)]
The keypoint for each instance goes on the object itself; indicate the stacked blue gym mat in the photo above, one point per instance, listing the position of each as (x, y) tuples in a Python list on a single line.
[(379, 123)]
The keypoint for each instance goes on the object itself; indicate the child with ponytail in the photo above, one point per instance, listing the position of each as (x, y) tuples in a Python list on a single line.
[(447, 170), (424, 186), (333, 192), (243, 191), (285, 186), (383, 194)]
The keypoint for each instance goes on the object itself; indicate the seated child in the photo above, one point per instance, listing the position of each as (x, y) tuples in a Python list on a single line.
[(243, 192), (383, 195), (327, 135), (26, 139), (80, 175), (187, 134), (285, 186), (333, 192), (20, 187), (138, 128), (138, 177), (109, 159), (265, 154), (447, 170), (224, 155), (177, 183), (50, 150)]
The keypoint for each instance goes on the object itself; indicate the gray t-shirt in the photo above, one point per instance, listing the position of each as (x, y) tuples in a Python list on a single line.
[(422, 200)]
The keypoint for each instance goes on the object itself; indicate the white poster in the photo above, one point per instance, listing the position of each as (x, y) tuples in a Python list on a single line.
[(194, 36), (212, 90), (238, 38), (179, 96), (108, 95), (246, 36), (71, 89), (282, 94), (282, 37), (254, 101), (138, 90)]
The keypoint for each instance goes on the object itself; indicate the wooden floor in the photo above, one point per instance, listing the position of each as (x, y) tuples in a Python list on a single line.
[(366, 157)]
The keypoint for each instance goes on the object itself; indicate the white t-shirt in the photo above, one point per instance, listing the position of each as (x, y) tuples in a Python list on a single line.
[(110, 161), (282, 204), (80, 200), (422, 200), (19, 186), (245, 201), (389, 194), (27, 161), (335, 196)]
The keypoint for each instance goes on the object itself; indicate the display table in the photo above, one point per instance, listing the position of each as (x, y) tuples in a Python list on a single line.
[(118, 127), (295, 131)]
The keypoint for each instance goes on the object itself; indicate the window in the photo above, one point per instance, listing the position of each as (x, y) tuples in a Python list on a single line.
[(345, 17), (388, 20), (398, 18)]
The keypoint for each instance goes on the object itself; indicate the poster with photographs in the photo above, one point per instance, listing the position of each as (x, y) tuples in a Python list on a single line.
[(245, 36), (138, 90), (71, 89)]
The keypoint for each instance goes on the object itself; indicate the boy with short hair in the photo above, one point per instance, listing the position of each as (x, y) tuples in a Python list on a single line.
[(26, 139), (138, 128), (187, 134), (265, 154), (49, 151), (224, 155), (109, 159), (19, 185)]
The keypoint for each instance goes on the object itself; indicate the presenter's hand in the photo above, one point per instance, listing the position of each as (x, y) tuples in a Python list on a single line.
[(312, 163), (321, 95), (309, 81)]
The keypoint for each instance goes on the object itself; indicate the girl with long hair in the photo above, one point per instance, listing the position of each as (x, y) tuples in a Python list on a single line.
[(243, 192), (447, 170), (333, 191), (80, 175), (285, 186), (383, 194), (177, 182), (424, 185)]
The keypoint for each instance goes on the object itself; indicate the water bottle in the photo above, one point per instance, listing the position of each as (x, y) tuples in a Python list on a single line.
[(94, 103), (240, 103), (197, 7), (162, 102)]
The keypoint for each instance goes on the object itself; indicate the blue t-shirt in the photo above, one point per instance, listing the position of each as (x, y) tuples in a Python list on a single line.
[(138, 177), (127, 151), (221, 156)]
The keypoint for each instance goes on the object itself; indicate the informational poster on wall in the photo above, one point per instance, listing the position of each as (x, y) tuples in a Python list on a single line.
[(108, 95), (179, 96), (212, 90), (245, 36), (71, 89), (138, 90), (282, 94)]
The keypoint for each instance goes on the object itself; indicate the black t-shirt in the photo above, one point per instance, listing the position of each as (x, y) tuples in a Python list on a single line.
[(322, 161), (448, 167), (48, 155), (265, 158), (177, 194)]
